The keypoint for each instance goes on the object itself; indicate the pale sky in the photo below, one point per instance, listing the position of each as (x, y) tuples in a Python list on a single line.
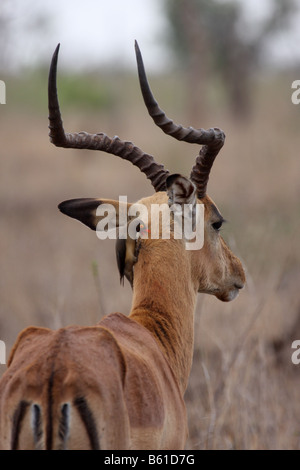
[(93, 32)]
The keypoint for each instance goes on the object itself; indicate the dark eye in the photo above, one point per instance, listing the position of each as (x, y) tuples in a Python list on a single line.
[(217, 225)]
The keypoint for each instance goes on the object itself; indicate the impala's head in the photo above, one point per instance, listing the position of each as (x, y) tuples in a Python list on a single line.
[(214, 269)]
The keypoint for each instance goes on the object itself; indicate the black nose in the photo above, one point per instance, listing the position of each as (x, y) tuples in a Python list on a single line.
[(238, 286)]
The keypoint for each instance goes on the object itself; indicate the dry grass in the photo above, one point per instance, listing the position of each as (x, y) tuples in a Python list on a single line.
[(243, 386)]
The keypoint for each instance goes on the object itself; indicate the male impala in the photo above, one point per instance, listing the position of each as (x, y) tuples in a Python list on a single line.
[(120, 384)]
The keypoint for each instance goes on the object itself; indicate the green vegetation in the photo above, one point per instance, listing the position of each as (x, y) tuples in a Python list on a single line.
[(91, 92)]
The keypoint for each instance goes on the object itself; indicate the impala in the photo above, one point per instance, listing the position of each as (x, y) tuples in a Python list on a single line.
[(120, 384)]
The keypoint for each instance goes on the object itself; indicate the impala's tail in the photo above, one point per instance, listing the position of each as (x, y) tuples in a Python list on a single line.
[(49, 428), (41, 436)]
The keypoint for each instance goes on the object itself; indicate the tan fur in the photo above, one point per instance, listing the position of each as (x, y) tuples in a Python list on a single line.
[(131, 371)]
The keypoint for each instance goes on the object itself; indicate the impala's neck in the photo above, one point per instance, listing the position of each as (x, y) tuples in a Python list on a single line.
[(164, 301)]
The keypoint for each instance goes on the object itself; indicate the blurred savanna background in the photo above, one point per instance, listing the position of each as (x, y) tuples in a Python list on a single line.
[(211, 63)]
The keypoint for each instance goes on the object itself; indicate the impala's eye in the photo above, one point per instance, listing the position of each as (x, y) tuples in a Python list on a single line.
[(217, 225)]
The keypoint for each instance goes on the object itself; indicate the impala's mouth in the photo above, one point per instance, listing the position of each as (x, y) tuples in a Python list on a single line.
[(228, 296), (232, 294)]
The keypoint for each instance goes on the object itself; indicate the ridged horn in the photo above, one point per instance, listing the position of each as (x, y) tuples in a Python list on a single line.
[(211, 139), (155, 172)]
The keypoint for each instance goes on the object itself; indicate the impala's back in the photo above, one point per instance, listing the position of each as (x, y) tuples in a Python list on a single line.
[(89, 388)]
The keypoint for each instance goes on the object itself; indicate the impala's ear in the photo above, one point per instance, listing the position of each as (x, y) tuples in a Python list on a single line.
[(180, 190), (182, 198), (91, 211)]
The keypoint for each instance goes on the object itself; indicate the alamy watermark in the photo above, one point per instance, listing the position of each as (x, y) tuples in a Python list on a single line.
[(183, 221), (296, 94), (296, 354), (2, 92), (2, 352)]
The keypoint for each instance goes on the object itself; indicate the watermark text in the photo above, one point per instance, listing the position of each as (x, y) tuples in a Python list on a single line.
[(160, 221), (296, 354), (2, 352), (296, 94), (2, 92)]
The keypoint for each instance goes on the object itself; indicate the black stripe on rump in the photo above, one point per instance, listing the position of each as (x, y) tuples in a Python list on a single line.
[(16, 424), (64, 425), (87, 417)]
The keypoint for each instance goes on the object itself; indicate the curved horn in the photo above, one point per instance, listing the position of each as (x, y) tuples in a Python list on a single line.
[(155, 172), (211, 139)]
